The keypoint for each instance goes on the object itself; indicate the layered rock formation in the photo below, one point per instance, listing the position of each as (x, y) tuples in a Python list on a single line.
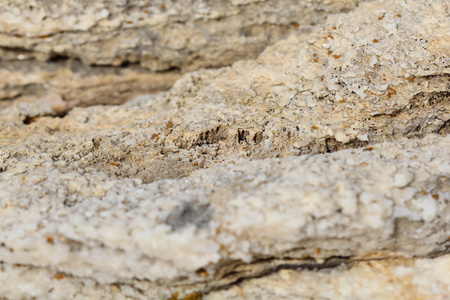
[(158, 35), (75, 37), (325, 160), (217, 226), (75, 84)]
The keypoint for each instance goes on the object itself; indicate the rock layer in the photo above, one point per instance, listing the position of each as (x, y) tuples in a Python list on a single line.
[(27, 83), (137, 42), (384, 277), (159, 35), (294, 99), (205, 227)]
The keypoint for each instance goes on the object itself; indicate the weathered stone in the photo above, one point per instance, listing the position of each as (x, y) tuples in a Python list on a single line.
[(76, 84), (227, 181), (294, 99), (294, 211), (384, 277), (158, 35), (123, 35)]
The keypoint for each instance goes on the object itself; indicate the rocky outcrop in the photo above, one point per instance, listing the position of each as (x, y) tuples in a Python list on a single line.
[(158, 35), (212, 228), (315, 92), (381, 277), (324, 159), (142, 45)]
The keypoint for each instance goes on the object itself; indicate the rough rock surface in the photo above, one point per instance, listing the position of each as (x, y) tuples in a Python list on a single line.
[(381, 279), (137, 42), (242, 176), (204, 227), (294, 99), (159, 35)]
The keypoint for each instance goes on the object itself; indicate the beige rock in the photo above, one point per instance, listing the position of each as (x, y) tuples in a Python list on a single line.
[(76, 84), (320, 92), (158, 35), (294, 99), (384, 279), (229, 176), (219, 225), (388, 278)]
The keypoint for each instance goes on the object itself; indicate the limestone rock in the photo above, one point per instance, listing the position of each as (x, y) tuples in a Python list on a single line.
[(137, 42), (351, 82), (226, 223), (241, 176), (384, 278), (294, 99), (76, 84), (158, 35)]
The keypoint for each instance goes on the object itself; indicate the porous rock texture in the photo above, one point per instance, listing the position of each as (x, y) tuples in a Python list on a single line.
[(209, 230), (73, 38), (159, 34), (320, 170)]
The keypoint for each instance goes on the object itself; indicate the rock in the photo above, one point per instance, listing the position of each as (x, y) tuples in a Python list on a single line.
[(138, 42), (324, 161), (158, 35), (384, 279), (319, 92), (294, 99), (219, 225), (76, 84)]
